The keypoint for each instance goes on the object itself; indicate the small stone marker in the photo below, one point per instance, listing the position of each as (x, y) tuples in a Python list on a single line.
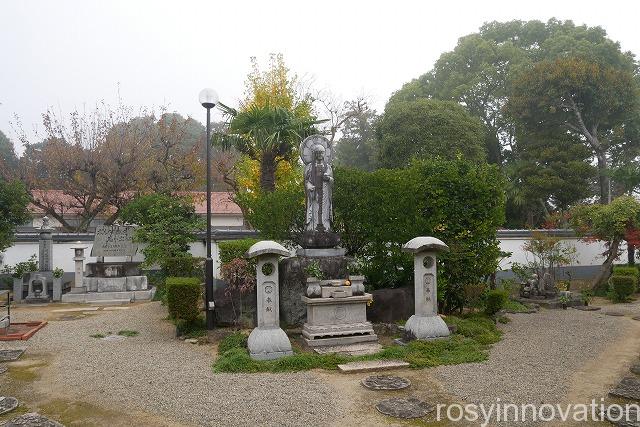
[(10, 355), (7, 404), (32, 419), (628, 388), (358, 349), (587, 308), (620, 415), (383, 382), (613, 313), (267, 340), (372, 365), (425, 323), (404, 408)]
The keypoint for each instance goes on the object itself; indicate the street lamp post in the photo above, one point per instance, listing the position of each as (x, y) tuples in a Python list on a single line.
[(208, 98)]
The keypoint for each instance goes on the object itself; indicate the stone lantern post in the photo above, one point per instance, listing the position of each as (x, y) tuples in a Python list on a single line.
[(268, 340), (425, 323), (78, 252)]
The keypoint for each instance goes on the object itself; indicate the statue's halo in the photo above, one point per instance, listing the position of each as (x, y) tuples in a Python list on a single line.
[(307, 148)]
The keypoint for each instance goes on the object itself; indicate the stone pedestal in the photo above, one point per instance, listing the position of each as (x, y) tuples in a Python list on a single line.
[(425, 323), (18, 287), (294, 283), (267, 340), (337, 321), (57, 289)]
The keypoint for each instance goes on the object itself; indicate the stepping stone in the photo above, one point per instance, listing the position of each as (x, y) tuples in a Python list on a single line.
[(628, 388), (10, 355), (115, 308), (613, 313), (635, 369), (622, 414), (7, 404), (73, 310), (372, 365), (32, 419), (404, 408), (114, 338), (587, 308), (67, 318), (359, 349), (382, 382)]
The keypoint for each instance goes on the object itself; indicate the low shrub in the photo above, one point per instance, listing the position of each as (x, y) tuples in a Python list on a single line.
[(231, 249), (624, 270), (622, 287), (183, 295), (183, 266), (191, 329), (495, 301)]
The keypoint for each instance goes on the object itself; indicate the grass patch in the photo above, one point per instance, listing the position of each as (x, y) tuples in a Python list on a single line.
[(503, 319), (515, 307), (128, 333), (97, 336), (471, 343)]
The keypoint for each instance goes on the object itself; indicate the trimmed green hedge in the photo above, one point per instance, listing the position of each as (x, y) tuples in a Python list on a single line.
[(231, 249), (624, 270), (183, 296), (183, 266), (623, 286)]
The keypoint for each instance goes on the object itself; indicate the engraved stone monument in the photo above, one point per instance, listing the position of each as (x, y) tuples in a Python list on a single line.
[(425, 323), (115, 280), (268, 340)]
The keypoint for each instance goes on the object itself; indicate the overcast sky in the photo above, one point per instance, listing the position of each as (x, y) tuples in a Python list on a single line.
[(70, 54)]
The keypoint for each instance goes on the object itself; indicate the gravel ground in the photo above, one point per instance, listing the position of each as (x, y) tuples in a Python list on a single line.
[(156, 373), (536, 358)]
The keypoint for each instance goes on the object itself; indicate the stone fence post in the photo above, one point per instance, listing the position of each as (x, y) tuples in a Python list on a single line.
[(268, 340)]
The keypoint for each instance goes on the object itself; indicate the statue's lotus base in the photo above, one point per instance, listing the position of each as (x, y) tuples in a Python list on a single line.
[(426, 327), (268, 343), (319, 239)]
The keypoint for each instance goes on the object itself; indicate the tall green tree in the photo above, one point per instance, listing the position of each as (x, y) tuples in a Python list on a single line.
[(584, 97), (8, 158), (427, 128), (356, 147), (477, 72), (550, 172), (14, 201)]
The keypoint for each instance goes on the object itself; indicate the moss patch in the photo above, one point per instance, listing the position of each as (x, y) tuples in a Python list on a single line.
[(77, 413), (475, 334)]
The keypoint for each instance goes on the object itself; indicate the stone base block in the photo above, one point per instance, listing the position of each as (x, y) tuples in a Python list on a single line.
[(426, 327), (346, 340), (94, 297), (268, 343), (115, 284)]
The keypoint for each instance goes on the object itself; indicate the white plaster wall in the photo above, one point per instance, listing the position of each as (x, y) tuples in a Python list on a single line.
[(63, 255), (586, 253)]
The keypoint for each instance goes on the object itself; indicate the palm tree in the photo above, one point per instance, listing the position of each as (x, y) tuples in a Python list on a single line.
[(268, 134)]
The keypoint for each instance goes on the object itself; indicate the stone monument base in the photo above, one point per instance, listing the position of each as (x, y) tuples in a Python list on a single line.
[(337, 321), (105, 297), (266, 343), (115, 284), (426, 327)]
